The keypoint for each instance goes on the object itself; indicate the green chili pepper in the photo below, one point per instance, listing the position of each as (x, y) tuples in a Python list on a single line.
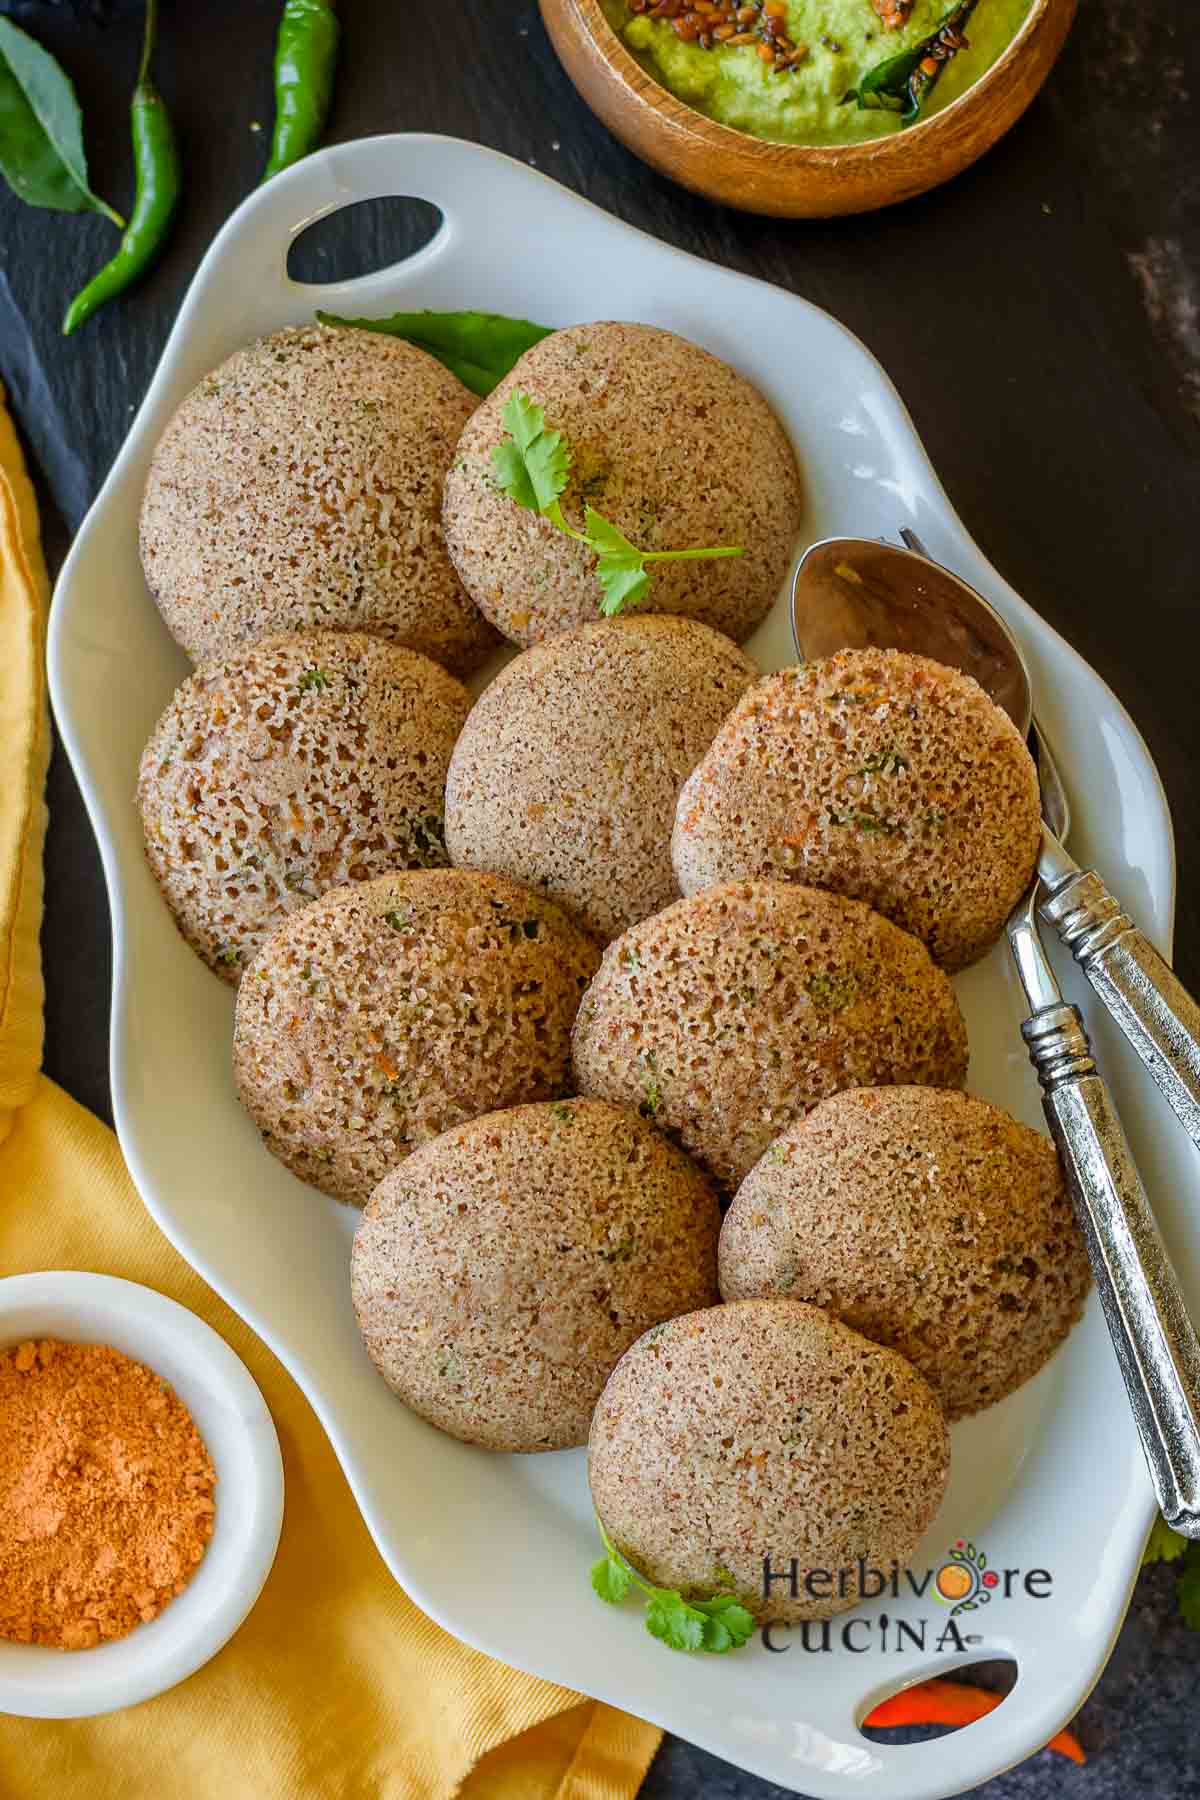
[(156, 193), (305, 59)]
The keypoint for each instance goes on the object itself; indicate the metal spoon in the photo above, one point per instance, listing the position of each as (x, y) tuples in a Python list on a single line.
[(852, 592), (855, 592)]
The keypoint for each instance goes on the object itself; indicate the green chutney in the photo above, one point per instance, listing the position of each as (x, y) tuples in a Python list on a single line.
[(842, 39)]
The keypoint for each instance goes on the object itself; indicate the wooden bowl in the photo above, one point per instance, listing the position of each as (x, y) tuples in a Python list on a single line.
[(798, 180)]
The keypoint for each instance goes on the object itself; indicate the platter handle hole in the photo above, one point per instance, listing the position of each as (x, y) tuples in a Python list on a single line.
[(362, 239), (998, 1674)]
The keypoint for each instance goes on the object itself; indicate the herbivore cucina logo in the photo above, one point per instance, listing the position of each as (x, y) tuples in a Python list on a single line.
[(961, 1584)]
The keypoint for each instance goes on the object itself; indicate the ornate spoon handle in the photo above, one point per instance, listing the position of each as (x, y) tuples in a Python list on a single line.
[(1140, 990), (1154, 1339)]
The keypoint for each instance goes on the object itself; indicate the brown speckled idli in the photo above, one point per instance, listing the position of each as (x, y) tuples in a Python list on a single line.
[(500, 1272), (878, 774), (290, 768), (733, 1012), (766, 1429), (299, 486), (567, 774), (670, 444), (928, 1220), (387, 1011)]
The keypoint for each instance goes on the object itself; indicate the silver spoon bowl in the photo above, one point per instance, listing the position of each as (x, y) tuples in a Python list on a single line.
[(855, 593)]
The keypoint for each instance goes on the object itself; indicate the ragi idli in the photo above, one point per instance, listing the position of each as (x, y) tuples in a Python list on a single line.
[(766, 1430), (289, 768), (926, 1219), (387, 1011), (669, 444), (878, 774), (568, 771), (500, 1271), (734, 1011), (299, 486)]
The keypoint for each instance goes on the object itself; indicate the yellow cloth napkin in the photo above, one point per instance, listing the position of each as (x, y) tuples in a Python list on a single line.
[(336, 1685)]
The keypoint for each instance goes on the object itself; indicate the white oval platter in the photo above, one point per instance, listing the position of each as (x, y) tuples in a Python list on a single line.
[(498, 1548)]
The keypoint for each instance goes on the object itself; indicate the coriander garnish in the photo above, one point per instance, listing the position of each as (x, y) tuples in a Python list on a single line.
[(533, 465), (717, 1624)]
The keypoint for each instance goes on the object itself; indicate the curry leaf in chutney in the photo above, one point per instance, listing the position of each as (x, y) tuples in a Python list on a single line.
[(901, 83), (41, 129)]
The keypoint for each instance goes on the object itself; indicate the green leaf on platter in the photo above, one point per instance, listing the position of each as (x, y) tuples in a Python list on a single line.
[(735, 1621), (479, 347), (610, 1579), (670, 1619), (1163, 1544), (41, 129)]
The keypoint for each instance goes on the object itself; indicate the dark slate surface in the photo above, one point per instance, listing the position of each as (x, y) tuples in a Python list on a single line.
[(1040, 317)]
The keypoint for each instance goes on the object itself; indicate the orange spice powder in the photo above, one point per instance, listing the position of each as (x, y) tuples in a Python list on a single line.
[(106, 1494)]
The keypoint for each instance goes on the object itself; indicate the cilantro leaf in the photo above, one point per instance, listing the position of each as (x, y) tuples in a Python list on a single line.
[(1163, 1545), (726, 1614), (623, 585), (512, 477), (548, 461), (670, 1619), (532, 465), (610, 1579), (717, 1625), (620, 565), (607, 540)]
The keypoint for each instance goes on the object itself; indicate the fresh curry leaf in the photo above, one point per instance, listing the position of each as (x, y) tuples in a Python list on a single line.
[(479, 347), (41, 129), (901, 83)]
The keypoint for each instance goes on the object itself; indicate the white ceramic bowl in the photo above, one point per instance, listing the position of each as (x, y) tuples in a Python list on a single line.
[(232, 1418)]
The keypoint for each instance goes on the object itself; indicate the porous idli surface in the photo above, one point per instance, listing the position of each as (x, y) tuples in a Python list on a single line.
[(299, 487), (290, 768), (734, 1011), (568, 772), (502, 1269), (668, 443), (926, 1219), (392, 1009), (766, 1429), (877, 774)]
